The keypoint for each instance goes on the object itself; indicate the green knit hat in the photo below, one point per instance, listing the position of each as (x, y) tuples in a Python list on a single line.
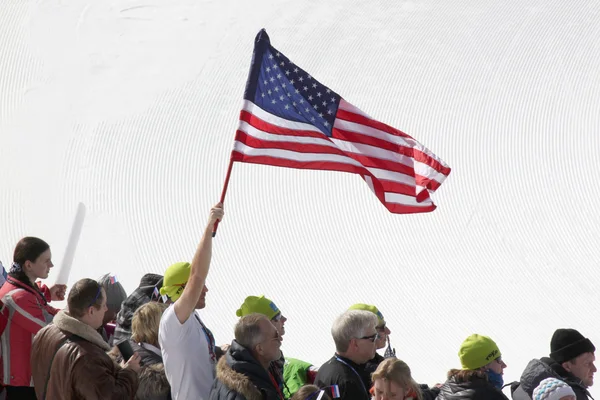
[(477, 351), (260, 305), (367, 307)]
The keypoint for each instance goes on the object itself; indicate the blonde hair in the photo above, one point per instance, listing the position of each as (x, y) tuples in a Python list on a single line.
[(397, 371), (145, 323)]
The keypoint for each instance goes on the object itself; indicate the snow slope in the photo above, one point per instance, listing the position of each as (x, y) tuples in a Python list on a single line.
[(131, 107)]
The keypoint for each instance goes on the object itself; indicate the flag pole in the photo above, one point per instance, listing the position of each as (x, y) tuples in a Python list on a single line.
[(223, 193)]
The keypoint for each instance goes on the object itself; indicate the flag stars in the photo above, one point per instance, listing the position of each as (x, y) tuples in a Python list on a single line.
[(308, 77), (305, 88), (312, 119), (301, 79), (329, 112), (287, 72), (275, 66), (292, 81), (287, 106), (268, 69), (281, 97), (272, 79), (277, 54), (270, 56), (296, 70), (319, 94), (276, 88), (307, 109), (328, 91), (278, 76), (282, 63), (297, 91), (266, 82), (273, 101), (326, 123), (263, 95), (314, 85), (315, 106), (301, 101), (333, 99), (310, 98), (289, 94), (321, 115), (283, 85), (269, 91)]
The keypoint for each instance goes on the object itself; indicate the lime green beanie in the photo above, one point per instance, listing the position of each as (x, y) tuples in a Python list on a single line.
[(260, 305), (367, 307), (176, 276), (477, 351)]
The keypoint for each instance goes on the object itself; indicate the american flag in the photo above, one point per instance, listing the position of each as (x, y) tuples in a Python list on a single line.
[(290, 119)]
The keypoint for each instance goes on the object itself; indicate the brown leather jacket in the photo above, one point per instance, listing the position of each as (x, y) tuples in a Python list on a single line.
[(81, 369)]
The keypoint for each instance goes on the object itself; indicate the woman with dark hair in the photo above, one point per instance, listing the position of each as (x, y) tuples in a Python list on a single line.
[(481, 376), (29, 311)]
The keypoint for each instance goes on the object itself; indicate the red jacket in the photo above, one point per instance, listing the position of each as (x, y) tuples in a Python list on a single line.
[(28, 312)]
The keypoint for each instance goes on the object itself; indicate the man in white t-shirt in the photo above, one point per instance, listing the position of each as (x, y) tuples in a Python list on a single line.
[(187, 346)]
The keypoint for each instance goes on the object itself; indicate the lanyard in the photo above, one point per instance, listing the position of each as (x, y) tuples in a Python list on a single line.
[(209, 339), (357, 374), (276, 385)]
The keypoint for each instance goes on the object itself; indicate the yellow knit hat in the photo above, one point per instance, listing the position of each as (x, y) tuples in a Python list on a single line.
[(176, 276)]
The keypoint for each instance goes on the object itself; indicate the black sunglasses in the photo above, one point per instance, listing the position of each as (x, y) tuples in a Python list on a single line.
[(372, 338)]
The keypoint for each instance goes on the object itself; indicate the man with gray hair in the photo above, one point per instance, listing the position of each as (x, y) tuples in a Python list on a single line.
[(355, 337), (243, 373)]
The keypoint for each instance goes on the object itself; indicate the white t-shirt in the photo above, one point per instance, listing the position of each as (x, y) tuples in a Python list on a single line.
[(187, 361)]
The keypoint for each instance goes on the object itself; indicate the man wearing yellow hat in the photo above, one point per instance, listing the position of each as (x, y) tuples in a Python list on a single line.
[(187, 346)]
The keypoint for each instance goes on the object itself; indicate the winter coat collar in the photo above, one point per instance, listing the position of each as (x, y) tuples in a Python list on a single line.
[(236, 381), (65, 322)]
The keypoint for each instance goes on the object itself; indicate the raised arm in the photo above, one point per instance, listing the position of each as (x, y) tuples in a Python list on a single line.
[(186, 304)]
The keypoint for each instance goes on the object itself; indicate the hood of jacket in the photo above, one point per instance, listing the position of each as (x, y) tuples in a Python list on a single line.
[(538, 370), (239, 371)]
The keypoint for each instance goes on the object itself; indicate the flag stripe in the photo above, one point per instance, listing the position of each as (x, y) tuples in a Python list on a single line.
[(361, 134), (275, 120), (322, 144), (313, 156), (258, 123)]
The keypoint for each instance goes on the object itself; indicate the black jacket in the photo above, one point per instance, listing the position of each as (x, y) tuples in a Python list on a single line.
[(538, 370), (352, 379), (148, 357), (241, 377), (476, 389)]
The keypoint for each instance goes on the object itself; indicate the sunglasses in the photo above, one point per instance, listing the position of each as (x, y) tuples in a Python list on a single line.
[(381, 328), (372, 338), (277, 318)]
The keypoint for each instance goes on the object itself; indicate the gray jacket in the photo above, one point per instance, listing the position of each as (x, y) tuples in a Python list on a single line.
[(538, 370)]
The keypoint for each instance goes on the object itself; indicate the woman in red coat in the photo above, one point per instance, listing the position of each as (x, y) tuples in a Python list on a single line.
[(28, 312)]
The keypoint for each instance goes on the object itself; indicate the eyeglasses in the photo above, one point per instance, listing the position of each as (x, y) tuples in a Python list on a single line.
[(381, 328), (372, 338), (97, 296), (499, 360), (277, 318)]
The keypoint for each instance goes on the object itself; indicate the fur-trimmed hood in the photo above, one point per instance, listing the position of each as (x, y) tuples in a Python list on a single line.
[(240, 375), (65, 322), (236, 381)]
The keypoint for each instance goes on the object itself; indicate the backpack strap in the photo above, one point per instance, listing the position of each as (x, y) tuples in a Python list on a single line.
[(64, 341)]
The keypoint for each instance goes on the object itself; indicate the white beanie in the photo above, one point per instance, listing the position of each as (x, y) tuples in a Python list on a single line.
[(552, 389)]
